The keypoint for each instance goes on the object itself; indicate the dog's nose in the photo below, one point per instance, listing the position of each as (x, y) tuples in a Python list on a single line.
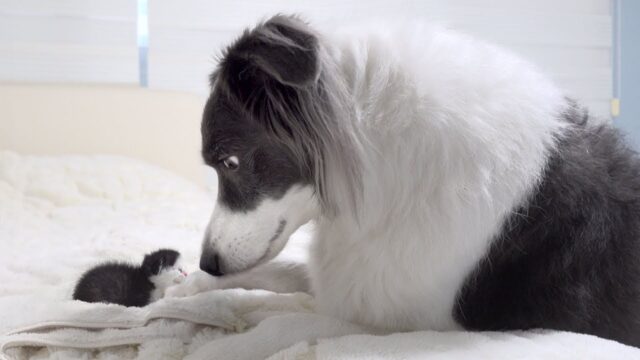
[(210, 263)]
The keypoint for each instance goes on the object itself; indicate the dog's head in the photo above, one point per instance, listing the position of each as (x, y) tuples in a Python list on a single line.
[(266, 128)]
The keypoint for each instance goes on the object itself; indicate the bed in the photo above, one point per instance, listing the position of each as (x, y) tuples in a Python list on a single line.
[(93, 173)]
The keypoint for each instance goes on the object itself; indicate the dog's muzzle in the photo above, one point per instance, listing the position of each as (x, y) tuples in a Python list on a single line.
[(211, 263)]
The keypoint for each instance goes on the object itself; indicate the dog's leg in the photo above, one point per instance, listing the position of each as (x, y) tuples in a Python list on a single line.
[(274, 276), (275, 334)]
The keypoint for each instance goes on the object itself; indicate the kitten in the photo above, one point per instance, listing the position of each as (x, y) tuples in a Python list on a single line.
[(130, 285)]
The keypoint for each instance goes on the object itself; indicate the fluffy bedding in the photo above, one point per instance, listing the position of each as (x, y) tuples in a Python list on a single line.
[(60, 215)]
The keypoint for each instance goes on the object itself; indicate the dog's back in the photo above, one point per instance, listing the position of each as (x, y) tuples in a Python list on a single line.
[(511, 207), (568, 258)]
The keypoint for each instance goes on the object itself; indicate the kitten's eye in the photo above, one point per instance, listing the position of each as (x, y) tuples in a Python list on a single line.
[(231, 162)]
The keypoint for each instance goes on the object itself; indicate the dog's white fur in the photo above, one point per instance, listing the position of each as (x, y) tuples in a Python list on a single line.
[(455, 134)]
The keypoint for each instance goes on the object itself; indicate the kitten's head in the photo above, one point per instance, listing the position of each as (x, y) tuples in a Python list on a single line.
[(160, 261), (163, 269)]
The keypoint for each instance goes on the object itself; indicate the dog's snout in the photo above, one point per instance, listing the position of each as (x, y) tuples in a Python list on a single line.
[(210, 263)]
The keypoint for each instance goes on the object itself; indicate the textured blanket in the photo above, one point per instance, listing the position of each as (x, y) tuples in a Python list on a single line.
[(61, 215)]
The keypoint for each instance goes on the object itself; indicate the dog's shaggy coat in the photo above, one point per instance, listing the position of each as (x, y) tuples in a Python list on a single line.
[(452, 184)]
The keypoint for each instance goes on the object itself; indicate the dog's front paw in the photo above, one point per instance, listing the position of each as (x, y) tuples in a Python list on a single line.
[(194, 283), (180, 290)]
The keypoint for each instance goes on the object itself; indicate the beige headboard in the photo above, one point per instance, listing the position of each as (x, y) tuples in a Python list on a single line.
[(160, 127)]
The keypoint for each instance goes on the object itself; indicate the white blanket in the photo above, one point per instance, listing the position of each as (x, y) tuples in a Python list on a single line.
[(59, 216)]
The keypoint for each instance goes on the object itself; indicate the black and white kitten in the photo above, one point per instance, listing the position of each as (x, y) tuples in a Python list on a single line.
[(130, 285)]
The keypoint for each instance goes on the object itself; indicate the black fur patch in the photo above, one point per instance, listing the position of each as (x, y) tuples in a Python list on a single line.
[(266, 167), (153, 263), (266, 66), (280, 50), (569, 259)]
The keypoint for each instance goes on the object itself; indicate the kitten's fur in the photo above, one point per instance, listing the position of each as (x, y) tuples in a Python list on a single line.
[(130, 285)]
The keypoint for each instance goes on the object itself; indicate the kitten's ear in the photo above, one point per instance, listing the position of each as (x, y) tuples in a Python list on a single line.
[(282, 49), (156, 261)]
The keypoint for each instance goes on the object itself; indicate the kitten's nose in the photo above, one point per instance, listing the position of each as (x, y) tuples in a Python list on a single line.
[(210, 263)]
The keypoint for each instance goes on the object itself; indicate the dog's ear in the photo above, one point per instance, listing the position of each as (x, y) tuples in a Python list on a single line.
[(282, 49)]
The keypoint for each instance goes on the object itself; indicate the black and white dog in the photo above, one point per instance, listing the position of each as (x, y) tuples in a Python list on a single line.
[(452, 185)]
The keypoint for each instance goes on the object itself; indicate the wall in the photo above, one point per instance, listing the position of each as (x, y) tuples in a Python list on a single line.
[(628, 63), (569, 39), (68, 41), (160, 127), (95, 40)]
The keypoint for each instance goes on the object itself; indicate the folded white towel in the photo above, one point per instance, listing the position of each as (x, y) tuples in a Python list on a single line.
[(77, 325)]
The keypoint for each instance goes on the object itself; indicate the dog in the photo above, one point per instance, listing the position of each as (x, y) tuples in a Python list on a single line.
[(452, 185)]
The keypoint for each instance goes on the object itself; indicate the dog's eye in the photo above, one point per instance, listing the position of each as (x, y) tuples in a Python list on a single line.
[(231, 162)]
